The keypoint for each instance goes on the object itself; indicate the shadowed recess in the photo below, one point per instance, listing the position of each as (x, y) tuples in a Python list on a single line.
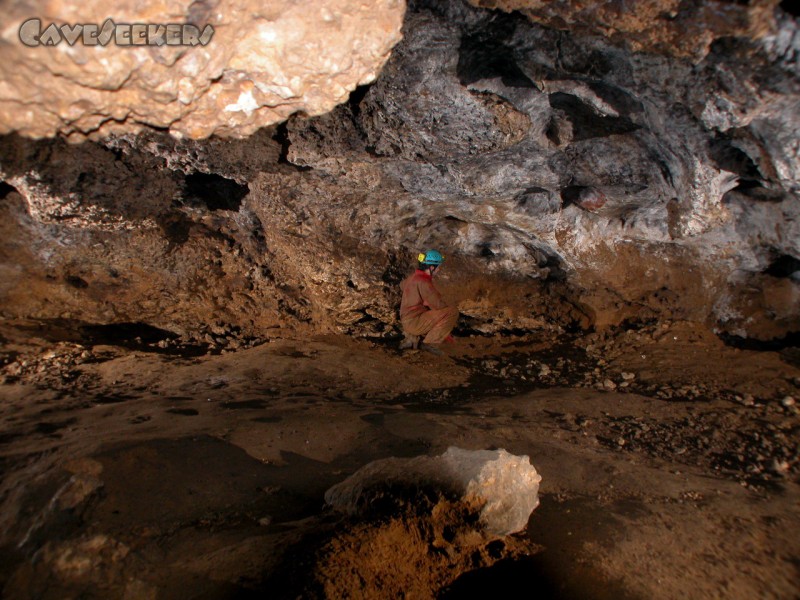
[(215, 192), (784, 266), (586, 122), (484, 55)]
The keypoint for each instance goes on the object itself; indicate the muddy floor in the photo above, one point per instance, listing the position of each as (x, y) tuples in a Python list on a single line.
[(135, 465)]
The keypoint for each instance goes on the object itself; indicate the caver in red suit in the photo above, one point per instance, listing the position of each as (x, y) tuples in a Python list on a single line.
[(422, 310)]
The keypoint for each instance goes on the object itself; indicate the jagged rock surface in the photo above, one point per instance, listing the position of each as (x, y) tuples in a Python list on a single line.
[(569, 181), (264, 62), (664, 26)]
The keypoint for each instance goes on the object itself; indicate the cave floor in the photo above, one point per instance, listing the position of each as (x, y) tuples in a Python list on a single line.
[(669, 461)]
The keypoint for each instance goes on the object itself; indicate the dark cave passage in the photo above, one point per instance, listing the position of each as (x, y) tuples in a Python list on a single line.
[(214, 191)]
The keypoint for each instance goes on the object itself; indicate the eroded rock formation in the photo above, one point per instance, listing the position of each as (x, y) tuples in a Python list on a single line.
[(570, 181), (260, 63), (669, 27)]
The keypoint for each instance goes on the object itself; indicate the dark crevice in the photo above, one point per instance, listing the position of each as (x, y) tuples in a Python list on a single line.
[(507, 577), (6, 189), (730, 158), (123, 334), (76, 282), (574, 59), (454, 219), (783, 266), (214, 191), (176, 228), (133, 336), (790, 340), (485, 250), (754, 190), (549, 259), (553, 132), (791, 7), (623, 102), (355, 99), (572, 194), (281, 136), (395, 270), (483, 54), (638, 323), (746, 185), (586, 122)]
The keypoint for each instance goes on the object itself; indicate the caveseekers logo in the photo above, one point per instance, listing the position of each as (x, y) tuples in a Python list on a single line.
[(123, 34)]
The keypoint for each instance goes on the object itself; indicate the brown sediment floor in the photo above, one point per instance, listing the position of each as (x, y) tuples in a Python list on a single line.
[(669, 463)]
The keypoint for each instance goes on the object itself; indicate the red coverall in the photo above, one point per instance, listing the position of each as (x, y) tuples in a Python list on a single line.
[(422, 310)]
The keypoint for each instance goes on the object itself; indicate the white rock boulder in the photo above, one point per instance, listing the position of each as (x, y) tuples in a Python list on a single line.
[(504, 485)]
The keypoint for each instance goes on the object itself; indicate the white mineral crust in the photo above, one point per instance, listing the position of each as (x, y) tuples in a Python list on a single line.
[(506, 485)]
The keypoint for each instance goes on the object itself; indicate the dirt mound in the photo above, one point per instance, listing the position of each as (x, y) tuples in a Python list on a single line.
[(413, 553)]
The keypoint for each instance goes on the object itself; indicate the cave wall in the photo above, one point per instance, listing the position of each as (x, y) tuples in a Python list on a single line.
[(570, 179)]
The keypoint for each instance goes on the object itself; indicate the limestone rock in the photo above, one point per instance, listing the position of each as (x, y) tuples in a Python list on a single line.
[(504, 486), (263, 63)]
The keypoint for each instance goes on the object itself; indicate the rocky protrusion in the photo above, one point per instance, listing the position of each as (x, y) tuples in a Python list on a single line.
[(258, 64)]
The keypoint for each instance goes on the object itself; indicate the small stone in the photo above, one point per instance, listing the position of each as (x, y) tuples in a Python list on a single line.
[(609, 385), (628, 376), (620, 441), (781, 467), (788, 402), (264, 521), (591, 199)]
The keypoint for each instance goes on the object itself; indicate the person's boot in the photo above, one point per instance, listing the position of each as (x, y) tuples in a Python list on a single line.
[(409, 341), (432, 349)]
